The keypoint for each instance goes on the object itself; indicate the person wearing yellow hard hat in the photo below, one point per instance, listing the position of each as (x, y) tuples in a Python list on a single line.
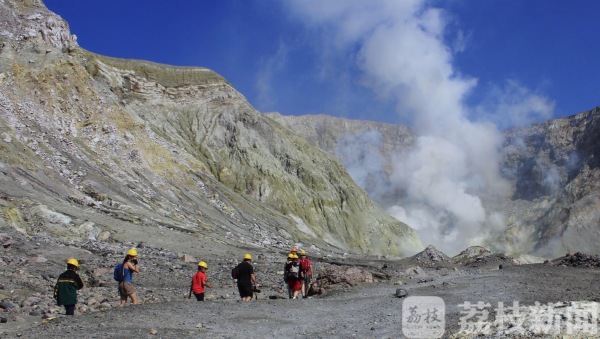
[(67, 285), (286, 268), (292, 269), (246, 280), (305, 272), (199, 282), (124, 275)]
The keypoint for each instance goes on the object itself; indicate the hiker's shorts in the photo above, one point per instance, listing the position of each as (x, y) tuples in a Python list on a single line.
[(295, 284), (245, 291), (199, 296), (125, 289)]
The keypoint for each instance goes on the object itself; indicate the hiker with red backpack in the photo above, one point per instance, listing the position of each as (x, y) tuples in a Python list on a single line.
[(305, 273)]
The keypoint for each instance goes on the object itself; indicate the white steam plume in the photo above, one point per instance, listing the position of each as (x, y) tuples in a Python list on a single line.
[(400, 49)]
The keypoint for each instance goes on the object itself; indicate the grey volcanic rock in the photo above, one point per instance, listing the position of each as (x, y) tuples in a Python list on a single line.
[(556, 172), (578, 260), (472, 252), (430, 256), (107, 149), (340, 276)]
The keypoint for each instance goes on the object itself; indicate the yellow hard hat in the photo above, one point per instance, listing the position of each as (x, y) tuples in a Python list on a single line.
[(291, 256), (303, 252), (203, 264), (132, 252), (294, 256), (73, 261), (247, 256)]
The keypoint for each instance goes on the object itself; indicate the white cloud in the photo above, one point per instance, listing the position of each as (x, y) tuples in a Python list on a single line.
[(454, 165)]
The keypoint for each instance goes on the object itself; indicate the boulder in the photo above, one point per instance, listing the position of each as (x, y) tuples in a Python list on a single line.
[(100, 272), (4, 237), (401, 293), (7, 305), (188, 258), (38, 259), (340, 276), (31, 301), (6, 240), (415, 272)]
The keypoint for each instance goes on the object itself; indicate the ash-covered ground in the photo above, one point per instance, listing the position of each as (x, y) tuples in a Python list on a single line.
[(480, 294)]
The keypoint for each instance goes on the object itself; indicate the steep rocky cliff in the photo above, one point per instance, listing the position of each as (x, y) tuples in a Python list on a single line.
[(125, 150), (553, 168), (366, 148), (556, 200)]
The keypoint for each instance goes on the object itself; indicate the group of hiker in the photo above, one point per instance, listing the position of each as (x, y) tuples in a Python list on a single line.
[(297, 273), (297, 277)]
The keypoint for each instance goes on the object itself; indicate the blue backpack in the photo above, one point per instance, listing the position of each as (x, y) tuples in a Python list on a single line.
[(119, 273)]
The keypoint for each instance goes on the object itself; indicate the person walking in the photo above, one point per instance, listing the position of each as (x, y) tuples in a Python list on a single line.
[(293, 274), (246, 280), (199, 282), (67, 285), (305, 273), (286, 271), (126, 289)]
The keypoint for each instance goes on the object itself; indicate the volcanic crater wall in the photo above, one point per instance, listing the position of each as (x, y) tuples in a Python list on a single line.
[(133, 147)]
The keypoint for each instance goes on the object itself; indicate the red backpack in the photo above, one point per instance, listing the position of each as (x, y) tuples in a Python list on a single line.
[(306, 265)]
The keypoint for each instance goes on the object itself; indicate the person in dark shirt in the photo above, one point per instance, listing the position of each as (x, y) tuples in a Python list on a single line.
[(292, 270), (286, 273), (65, 290), (246, 280)]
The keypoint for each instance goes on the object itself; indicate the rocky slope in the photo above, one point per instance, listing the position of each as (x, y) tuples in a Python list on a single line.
[(552, 168), (365, 148), (555, 168), (122, 150)]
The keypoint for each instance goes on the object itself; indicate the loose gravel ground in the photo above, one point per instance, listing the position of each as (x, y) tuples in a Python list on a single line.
[(367, 311)]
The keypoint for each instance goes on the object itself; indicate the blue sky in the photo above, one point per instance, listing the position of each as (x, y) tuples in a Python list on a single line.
[(511, 62)]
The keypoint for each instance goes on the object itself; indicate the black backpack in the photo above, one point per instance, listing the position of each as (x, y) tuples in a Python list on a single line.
[(294, 270)]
